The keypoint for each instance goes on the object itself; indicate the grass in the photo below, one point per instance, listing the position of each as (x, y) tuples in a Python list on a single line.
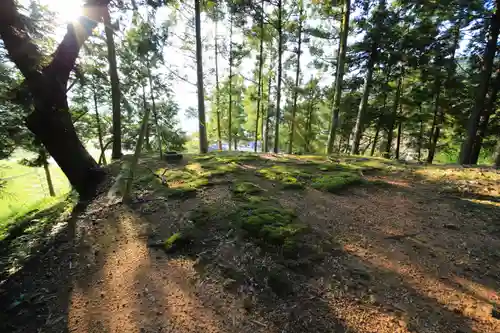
[(26, 189)]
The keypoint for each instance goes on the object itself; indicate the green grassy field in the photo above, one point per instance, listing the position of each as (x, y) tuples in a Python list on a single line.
[(26, 189)]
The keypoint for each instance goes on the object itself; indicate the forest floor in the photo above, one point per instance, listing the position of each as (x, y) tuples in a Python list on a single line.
[(264, 243)]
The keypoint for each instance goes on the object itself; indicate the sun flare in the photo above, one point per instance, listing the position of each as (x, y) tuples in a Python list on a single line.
[(67, 10)]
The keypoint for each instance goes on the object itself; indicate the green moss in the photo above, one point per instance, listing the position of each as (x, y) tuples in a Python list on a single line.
[(246, 188), (177, 242), (218, 169), (335, 182), (291, 183), (269, 225), (334, 167)]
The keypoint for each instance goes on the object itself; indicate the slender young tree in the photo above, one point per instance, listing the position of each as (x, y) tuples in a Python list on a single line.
[(280, 70), (199, 76), (297, 76), (116, 152), (217, 88), (261, 62)]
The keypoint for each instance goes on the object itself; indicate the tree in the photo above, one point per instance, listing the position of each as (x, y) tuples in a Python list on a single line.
[(50, 121), (279, 77), (486, 70), (199, 75), (340, 76), (115, 88)]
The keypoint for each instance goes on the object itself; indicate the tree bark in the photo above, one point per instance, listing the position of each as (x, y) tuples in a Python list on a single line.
[(50, 121), (497, 159), (364, 102), (268, 116), (115, 89), (398, 143), (485, 118), (99, 130), (334, 123), (278, 91), (259, 89), (199, 81), (48, 177), (375, 139), (487, 68), (297, 78), (217, 92), (230, 108), (438, 119), (392, 120)]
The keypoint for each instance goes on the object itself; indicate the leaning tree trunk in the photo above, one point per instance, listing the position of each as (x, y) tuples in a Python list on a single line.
[(398, 142), (297, 77), (339, 77), (199, 81), (99, 129), (217, 92), (51, 121), (497, 159), (135, 158), (48, 177), (278, 91), (115, 89), (364, 102), (488, 59)]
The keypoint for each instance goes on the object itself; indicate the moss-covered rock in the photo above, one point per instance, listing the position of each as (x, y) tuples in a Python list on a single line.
[(337, 181)]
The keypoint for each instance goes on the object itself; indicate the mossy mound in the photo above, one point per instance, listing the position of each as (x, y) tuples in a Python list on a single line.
[(270, 225), (291, 176), (335, 182), (246, 188)]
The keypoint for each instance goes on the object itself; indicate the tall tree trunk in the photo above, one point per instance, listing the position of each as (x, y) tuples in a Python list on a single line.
[(438, 119), (50, 121), (485, 118), (487, 68), (259, 89), (392, 120), (398, 143), (153, 105), (339, 77), (307, 141), (48, 177), (99, 130), (278, 91), (217, 91), (375, 139), (497, 159), (297, 78), (115, 89), (230, 108), (364, 102), (199, 81), (268, 116), (420, 135)]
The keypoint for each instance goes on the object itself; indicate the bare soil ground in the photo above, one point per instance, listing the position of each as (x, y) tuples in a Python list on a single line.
[(396, 253)]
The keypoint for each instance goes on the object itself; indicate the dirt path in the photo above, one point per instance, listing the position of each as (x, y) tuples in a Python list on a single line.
[(408, 260)]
